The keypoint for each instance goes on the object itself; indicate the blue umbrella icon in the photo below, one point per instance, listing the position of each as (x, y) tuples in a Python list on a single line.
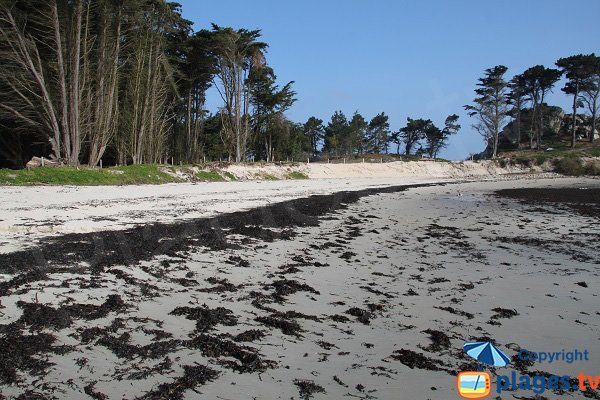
[(487, 353)]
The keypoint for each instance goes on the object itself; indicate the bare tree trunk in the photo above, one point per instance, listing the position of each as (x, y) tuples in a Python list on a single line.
[(518, 121), (246, 131), (189, 151), (541, 125), (238, 116), (496, 123), (75, 95), (574, 120), (591, 98), (594, 110), (106, 94), (62, 81), (28, 83), (534, 122)]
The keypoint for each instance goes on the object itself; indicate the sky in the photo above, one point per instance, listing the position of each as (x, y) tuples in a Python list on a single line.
[(418, 59)]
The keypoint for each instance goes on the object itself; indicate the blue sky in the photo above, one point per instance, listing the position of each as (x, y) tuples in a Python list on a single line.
[(418, 59)]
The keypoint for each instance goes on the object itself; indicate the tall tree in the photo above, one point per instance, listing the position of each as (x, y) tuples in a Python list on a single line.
[(490, 107), (63, 63), (150, 90), (236, 53), (358, 133), (396, 139), (517, 97), (315, 132), (576, 68), (590, 91), (41, 67), (102, 95), (196, 73), (548, 79), (269, 101), (539, 81), (437, 139), (378, 133), (336, 130), (413, 133)]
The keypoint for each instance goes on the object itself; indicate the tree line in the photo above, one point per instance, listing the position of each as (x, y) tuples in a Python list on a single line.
[(358, 136), (126, 82), (499, 99)]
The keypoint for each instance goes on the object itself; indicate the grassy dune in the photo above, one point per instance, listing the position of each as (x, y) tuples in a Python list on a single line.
[(83, 176), (559, 157), (149, 174)]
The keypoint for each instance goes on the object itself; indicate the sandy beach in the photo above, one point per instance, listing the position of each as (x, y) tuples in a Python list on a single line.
[(366, 289), (30, 213)]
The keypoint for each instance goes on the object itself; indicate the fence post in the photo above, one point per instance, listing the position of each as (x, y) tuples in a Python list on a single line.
[(100, 163)]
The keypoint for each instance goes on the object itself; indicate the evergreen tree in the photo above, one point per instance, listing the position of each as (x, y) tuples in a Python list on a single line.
[(437, 139), (490, 107), (335, 132), (269, 102), (539, 81), (378, 134), (517, 98), (358, 133), (315, 132), (413, 133), (591, 93), (577, 69)]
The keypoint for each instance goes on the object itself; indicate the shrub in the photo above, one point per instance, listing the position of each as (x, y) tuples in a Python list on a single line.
[(524, 161), (569, 166), (541, 159), (592, 168)]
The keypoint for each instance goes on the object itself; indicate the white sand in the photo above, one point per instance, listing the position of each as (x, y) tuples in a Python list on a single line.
[(394, 253), (29, 213)]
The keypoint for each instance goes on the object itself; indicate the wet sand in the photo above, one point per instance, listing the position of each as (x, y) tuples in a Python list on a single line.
[(360, 294)]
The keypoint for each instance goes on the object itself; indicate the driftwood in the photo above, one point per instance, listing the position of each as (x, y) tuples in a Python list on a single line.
[(41, 162)]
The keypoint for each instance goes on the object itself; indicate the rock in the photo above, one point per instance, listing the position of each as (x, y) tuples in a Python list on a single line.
[(41, 161)]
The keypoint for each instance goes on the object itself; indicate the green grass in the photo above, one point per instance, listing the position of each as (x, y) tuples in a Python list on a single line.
[(266, 177), (230, 176), (209, 176), (297, 175), (592, 152), (84, 176)]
